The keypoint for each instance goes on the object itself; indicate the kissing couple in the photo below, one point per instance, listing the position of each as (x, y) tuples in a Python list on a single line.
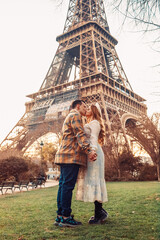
[(80, 149)]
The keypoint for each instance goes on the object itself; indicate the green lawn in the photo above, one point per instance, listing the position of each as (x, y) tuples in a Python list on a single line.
[(134, 213)]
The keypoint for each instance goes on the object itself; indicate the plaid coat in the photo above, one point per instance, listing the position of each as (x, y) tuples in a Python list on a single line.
[(74, 145)]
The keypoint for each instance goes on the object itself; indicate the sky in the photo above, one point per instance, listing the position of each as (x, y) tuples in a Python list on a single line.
[(28, 30)]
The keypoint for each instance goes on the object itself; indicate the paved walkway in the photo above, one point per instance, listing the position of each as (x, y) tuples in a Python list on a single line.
[(51, 183), (48, 183)]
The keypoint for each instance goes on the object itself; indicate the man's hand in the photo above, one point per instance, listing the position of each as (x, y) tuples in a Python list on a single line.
[(92, 156)]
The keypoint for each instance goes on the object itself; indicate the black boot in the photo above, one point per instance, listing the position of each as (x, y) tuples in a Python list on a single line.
[(100, 214), (98, 209), (105, 211)]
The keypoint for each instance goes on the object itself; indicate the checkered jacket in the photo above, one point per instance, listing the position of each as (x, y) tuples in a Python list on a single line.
[(74, 146)]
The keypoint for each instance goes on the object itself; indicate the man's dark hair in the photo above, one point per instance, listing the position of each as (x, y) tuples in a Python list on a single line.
[(76, 102)]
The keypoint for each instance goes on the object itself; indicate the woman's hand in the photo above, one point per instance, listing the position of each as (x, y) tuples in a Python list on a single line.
[(92, 156)]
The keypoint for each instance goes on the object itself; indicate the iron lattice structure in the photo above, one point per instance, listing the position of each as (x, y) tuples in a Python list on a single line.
[(86, 65)]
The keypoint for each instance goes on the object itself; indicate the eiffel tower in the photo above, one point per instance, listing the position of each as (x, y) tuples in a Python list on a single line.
[(85, 66)]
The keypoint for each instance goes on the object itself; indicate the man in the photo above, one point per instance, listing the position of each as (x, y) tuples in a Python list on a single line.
[(72, 154)]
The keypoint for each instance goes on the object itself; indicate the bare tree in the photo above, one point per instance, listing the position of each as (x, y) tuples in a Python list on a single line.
[(144, 13)]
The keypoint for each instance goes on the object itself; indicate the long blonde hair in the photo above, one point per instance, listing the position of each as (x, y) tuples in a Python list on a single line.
[(96, 115)]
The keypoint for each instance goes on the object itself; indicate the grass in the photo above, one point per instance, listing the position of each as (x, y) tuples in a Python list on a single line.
[(134, 213)]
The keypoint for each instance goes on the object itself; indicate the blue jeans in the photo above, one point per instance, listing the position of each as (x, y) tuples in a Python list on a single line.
[(67, 181)]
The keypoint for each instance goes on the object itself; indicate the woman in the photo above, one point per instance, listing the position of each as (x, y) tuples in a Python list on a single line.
[(92, 187)]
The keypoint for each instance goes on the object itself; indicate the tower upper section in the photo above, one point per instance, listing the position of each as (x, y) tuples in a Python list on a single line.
[(82, 11)]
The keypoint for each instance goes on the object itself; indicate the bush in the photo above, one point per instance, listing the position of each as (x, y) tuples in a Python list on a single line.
[(127, 167), (19, 168), (12, 167), (148, 173)]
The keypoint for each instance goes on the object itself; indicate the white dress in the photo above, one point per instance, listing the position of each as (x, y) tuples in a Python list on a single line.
[(92, 186)]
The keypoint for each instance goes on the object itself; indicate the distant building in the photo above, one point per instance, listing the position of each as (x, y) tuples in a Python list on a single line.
[(53, 173)]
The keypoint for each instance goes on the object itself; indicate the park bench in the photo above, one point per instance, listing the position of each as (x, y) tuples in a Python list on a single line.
[(41, 182), (1, 187), (38, 182), (21, 185), (7, 186)]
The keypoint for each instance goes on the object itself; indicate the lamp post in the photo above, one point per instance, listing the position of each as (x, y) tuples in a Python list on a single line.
[(41, 145)]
